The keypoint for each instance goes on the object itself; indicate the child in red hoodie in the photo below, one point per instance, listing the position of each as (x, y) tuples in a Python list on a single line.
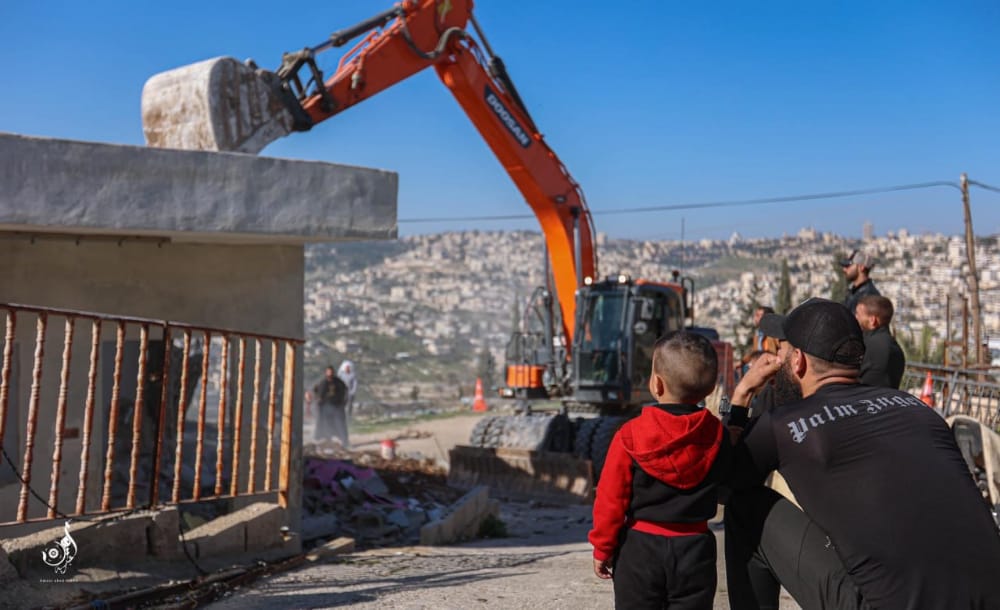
[(657, 489)]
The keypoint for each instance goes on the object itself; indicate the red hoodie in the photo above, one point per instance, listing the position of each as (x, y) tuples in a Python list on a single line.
[(662, 467)]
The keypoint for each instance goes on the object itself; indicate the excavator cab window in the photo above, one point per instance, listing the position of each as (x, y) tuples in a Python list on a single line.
[(656, 314), (602, 319)]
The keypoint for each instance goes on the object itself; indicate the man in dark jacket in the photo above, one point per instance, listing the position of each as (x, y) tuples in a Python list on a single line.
[(857, 267), (890, 516), (884, 360), (658, 486), (331, 393)]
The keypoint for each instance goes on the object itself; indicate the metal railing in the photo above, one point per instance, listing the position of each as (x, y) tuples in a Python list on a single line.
[(158, 388), (958, 391)]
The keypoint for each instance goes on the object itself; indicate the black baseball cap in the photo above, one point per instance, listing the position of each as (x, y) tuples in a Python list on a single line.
[(821, 328), (860, 257)]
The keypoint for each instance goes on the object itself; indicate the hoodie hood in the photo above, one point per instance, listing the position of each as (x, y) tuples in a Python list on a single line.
[(678, 449)]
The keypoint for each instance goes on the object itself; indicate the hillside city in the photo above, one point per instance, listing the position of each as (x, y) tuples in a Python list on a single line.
[(421, 312)]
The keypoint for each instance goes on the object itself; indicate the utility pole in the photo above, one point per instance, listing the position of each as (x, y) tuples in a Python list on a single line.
[(970, 253), (683, 253)]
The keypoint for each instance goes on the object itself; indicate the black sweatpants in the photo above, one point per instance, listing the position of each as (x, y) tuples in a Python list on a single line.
[(665, 571), (769, 541)]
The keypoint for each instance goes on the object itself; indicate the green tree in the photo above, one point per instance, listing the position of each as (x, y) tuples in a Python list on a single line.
[(743, 329), (838, 287), (783, 302)]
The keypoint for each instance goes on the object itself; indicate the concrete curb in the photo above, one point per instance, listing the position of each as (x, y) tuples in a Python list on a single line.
[(117, 541)]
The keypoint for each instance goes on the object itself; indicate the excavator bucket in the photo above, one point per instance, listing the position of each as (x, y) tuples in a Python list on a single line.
[(219, 104), (522, 473), (523, 457)]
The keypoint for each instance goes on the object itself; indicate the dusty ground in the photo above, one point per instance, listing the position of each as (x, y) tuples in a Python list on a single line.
[(545, 562)]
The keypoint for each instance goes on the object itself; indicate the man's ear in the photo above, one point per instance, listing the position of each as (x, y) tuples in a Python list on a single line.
[(799, 363)]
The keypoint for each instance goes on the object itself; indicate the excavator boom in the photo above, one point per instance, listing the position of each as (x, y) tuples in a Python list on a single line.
[(221, 104)]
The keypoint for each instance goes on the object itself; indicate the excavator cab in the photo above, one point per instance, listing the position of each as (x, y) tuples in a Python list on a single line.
[(618, 322)]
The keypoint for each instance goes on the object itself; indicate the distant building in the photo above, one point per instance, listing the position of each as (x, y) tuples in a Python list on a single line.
[(867, 231)]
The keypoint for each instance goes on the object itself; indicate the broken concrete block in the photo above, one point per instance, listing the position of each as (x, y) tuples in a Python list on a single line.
[(162, 534), (255, 527), (338, 546), (319, 526), (461, 521), (55, 185), (398, 517), (7, 570)]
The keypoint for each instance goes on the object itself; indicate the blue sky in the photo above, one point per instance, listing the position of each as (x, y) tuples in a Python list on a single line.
[(647, 103)]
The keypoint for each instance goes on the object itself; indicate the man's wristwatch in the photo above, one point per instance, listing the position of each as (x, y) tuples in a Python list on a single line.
[(733, 415), (725, 406)]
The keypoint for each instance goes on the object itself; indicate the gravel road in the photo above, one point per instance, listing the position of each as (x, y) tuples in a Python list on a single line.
[(545, 562)]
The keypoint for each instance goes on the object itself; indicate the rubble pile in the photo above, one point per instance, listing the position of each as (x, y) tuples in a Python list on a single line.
[(376, 501)]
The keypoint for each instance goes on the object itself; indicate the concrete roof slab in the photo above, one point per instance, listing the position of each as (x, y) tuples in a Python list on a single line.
[(87, 188)]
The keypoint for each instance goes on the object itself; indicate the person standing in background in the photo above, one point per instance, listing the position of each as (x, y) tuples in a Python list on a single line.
[(331, 394), (348, 375), (857, 268), (884, 361)]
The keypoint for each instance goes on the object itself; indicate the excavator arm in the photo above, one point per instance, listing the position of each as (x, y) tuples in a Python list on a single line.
[(223, 104), (415, 35)]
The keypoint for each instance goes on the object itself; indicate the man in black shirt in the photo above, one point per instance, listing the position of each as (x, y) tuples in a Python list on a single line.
[(892, 517), (884, 361), (856, 267)]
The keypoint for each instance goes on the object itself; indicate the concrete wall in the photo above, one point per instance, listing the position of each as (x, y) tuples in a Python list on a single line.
[(257, 288)]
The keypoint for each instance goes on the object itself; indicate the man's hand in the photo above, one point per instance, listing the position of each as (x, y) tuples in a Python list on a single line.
[(602, 568), (759, 373)]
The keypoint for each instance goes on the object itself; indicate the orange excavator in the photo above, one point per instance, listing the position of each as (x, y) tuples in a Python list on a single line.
[(586, 341)]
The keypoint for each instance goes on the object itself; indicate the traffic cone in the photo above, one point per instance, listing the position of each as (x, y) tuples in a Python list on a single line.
[(928, 394), (479, 403)]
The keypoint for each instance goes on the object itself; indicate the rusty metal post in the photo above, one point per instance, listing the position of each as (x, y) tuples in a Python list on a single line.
[(238, 416), (29, 440), (61, 416), (947, 330), (202, 405), (137, 408), (220, 420), (109, 462), (8, 349), (965, 332), (272, 398), (154, 492), (287, 404), (181, 403), (255, 409), (88, 416)]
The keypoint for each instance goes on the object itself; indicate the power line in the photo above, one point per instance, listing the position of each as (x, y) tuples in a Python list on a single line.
[(716, 204), (984, 186)]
